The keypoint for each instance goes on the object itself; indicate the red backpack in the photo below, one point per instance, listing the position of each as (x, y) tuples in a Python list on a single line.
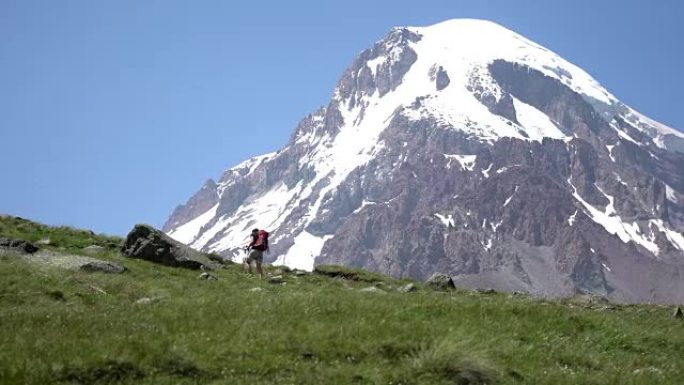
[(261, 241)]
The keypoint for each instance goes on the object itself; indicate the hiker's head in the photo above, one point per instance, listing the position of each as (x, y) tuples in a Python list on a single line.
[(254, 231)]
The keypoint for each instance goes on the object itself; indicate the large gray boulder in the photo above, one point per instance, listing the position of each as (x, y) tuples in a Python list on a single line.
[(439, 281), (146, 242)]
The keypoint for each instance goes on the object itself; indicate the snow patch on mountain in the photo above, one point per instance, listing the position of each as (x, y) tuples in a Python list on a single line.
[(374, 63), (363, 204), (508, 200), (488, 244), (485, 172), (613, 224), (675, 238), (304, 251), (252, 163), (187, 232), (467, 162), (670, 194), (266, 211), (610, 148), (643, 123), (619, 179), (622, 134), (447, 220), (536, 124)]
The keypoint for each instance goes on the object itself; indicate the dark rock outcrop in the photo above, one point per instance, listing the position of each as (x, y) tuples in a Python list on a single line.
[(17, 246), (146, 242), (440, 77)]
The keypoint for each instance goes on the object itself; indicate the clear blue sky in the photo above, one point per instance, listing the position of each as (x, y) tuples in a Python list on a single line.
[(113, 112)]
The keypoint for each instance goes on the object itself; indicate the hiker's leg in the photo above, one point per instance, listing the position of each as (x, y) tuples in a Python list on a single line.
[(259, 270), (251, 258)]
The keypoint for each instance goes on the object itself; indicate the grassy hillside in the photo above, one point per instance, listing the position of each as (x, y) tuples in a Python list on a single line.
[(60, 238), (61, 326)]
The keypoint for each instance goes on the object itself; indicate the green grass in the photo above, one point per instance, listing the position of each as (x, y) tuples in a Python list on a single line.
[(72, 327)]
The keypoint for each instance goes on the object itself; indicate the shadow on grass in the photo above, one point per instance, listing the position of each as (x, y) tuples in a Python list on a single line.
[(107, 372), (335, 271), (113, 371), (180, 367)]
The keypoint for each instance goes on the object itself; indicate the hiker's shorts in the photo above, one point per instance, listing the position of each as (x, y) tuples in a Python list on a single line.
[(255, 255)]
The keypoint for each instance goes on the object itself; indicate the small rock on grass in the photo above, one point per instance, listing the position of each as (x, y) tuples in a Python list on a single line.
[(207, 277), (256, 289), (409, 287), (97, 266), (677, 313), (372, 289), (148, 300), (276, 279)]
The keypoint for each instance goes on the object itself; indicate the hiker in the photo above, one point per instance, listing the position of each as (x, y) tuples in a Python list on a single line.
[(257, 245)]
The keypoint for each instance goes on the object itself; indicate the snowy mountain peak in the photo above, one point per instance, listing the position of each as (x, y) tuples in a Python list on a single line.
[(463, 144), (435, 71), (467, 42)]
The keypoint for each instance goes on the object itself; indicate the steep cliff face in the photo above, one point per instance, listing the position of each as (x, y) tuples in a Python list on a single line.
[(465, 148)]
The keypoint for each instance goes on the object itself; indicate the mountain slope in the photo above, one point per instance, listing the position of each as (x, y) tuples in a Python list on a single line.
[(465, 148)]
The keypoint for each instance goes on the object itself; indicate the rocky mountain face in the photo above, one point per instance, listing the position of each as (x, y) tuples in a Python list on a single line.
[(466, 149)]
